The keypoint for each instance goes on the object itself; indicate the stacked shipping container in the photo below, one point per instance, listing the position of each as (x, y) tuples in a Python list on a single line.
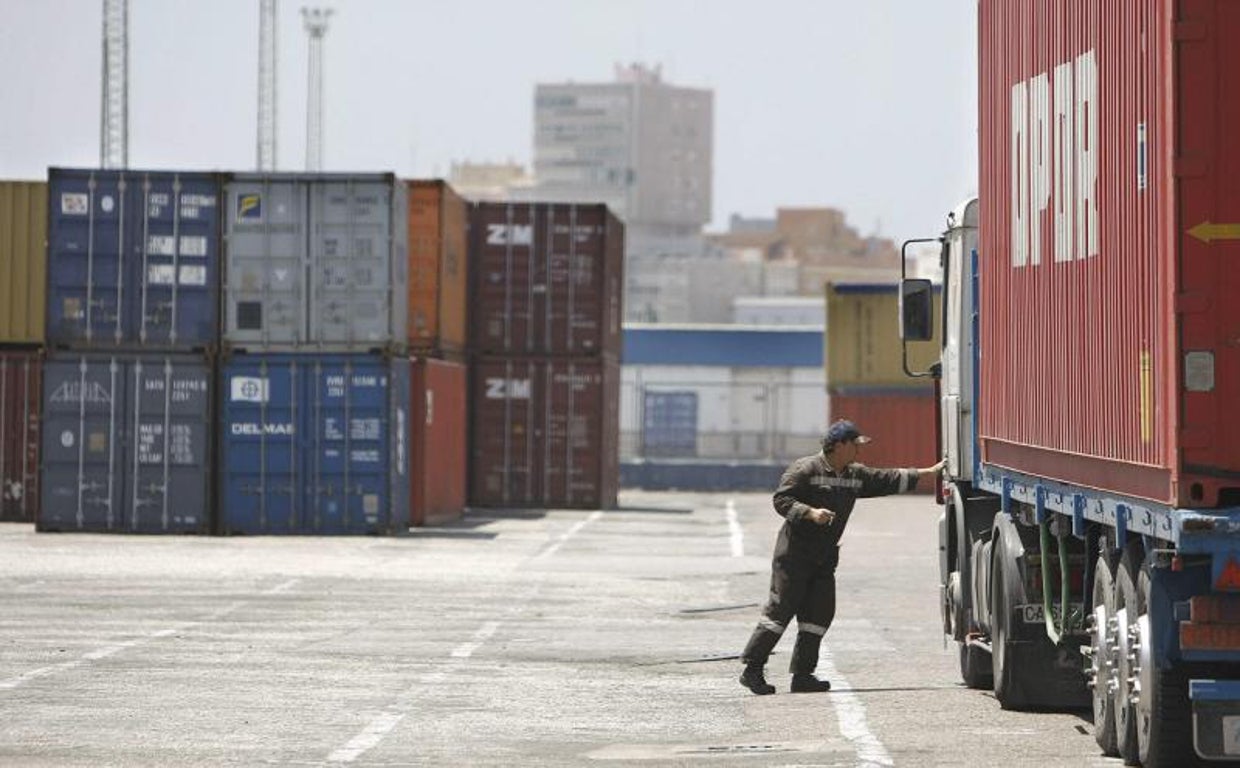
[(545, 339), (133, 263), (865, 375), (23, 232), (314, 383)]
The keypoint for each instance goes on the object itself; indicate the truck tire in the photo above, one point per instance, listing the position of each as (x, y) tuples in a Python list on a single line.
[(1164, 717), (1006, 673), (1127, 599), (1104, 711), (975, 667)]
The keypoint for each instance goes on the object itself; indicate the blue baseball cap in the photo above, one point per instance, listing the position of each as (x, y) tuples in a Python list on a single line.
[(843, 431)]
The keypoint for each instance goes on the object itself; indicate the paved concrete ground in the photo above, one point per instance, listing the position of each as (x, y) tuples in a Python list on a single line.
[(560, 639)]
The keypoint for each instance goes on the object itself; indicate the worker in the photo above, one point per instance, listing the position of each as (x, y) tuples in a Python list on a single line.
[(815, 497)]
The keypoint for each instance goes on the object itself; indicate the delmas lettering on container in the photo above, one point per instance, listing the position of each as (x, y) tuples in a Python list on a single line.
[(250, 429), (1058, 108)]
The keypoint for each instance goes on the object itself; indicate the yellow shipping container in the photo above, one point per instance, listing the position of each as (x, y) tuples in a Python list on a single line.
[(23, 261), (863, 338)]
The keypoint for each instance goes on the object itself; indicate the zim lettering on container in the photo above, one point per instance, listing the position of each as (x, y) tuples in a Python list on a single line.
[(133, 259), (314, 444)]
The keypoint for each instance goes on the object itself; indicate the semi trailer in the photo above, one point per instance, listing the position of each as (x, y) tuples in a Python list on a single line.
[(1089, 378)]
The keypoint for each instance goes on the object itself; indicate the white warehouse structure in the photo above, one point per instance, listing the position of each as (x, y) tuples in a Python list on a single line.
[(718, 406)]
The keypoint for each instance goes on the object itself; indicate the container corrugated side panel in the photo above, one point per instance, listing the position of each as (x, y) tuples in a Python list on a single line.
[(546, 279), (127, 443), (20, 402), (438, 274), (1079, 376), (577, 421), (23, 261), (863, 346), (504, 447), (439, 438), (314, 444), (133, 260), (899, 422)]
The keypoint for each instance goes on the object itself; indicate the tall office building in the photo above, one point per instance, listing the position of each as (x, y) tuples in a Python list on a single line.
[(640, 145)]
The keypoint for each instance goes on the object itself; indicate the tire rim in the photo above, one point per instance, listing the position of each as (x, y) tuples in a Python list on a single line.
[(1122, 689), (1100, 662), (1143, 677)]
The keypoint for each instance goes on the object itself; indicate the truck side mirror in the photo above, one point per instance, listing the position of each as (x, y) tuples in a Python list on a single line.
[(916, 310)]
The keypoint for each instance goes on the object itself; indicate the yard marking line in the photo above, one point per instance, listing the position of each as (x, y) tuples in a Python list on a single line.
[(851, 715), (35, 674), (370, 736), (279, 588), (571, 532), (734, 526), (465, 650), (95, 655)]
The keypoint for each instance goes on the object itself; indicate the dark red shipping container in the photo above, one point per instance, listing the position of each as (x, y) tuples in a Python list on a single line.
[(545, 432), (20, 398), (899, 421), (547, 279), (438, 445), (1110, 238)]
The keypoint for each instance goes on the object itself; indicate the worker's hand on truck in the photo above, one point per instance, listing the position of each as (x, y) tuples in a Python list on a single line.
[(935, 469)]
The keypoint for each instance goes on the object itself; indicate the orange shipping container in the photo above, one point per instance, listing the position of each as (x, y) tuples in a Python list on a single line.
[(438, 443), (437, 268), (900, 422)]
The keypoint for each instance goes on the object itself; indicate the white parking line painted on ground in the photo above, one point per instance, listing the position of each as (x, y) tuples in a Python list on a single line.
[(850, 713), (465, 650), (286, 586), (564, 537), (374, 733), (95, 655), (734, 526)]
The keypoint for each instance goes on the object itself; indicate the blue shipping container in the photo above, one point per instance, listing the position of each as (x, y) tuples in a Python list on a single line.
[(670, 424), (314, 444), (133, 259), (127, 443)]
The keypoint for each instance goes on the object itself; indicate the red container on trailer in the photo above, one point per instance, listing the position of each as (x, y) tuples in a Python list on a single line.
[(20, 399), (438, 444), (899, 422), (545, 432), (1110, 238), (547, 279)]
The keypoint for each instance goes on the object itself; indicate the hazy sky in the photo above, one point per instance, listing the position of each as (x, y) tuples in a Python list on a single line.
[(866, 105)]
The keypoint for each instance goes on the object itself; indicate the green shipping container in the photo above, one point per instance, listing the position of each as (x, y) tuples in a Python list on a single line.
[(23, 261)]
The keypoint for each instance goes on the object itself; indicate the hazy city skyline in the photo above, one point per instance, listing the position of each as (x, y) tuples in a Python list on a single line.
[(866, 107)]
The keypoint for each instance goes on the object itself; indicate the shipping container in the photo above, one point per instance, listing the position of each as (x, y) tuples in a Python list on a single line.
[(314, 444), (547, 279), (20, 396), (127, 443), (863, 337), (1109, 247), (438, 268), (133, 260), (544, 432), (23, 261), (439, 441), (315, 262), (899, 421)]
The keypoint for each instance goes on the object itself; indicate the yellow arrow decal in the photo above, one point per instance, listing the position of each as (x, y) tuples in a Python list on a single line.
[(1205, 231)]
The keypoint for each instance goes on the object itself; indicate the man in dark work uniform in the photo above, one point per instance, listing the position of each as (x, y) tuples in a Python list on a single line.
[(816, 497)]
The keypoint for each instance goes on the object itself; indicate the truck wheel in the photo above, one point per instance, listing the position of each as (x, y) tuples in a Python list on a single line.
[(1127, 608), (1102, 664), (1164, 718), (1006, 673), (975, 667)]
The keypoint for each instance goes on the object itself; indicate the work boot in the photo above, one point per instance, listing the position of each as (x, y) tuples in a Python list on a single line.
[(754, 678), (806, 683)]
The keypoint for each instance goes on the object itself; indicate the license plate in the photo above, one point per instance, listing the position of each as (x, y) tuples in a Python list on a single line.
[(1032, 613)]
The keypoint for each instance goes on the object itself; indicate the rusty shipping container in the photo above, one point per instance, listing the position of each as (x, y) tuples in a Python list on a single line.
[(23, 261), (439, 437), (547, 279), (1109, 250), (899, 420), (544, 432), (863, 337), (20, 388), (438, 271)]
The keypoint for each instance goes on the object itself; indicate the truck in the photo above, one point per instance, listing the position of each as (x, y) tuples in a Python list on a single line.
[(1089, 377)]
